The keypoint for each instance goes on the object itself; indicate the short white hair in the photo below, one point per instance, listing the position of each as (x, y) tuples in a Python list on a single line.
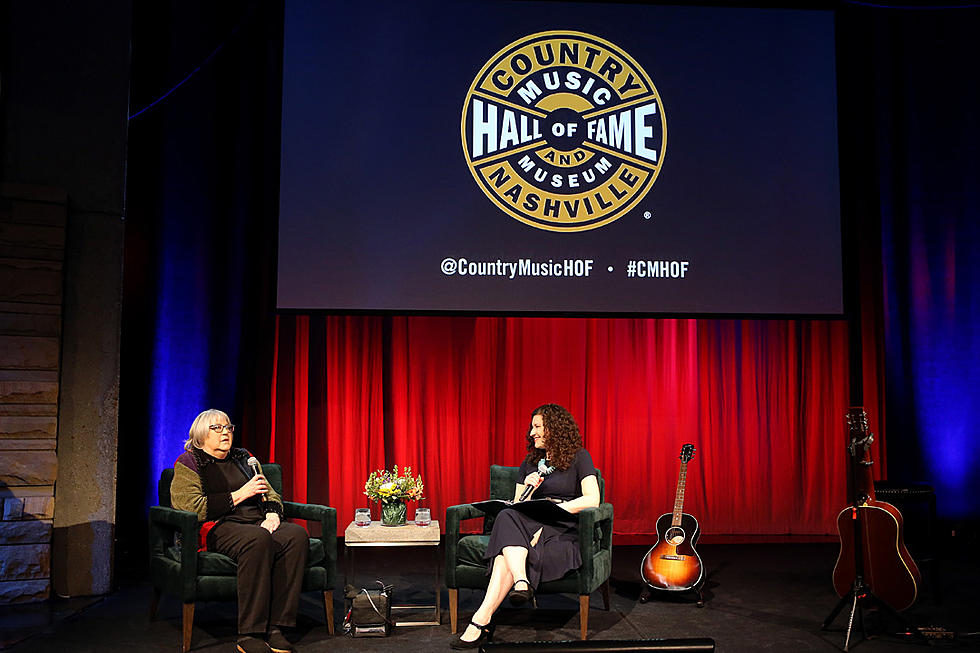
[(199, 429)]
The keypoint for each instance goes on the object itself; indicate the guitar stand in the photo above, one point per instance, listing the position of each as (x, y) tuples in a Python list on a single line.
[(861, 597), (646, 594)]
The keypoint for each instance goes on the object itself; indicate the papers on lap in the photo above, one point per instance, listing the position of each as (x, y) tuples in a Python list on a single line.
[(541, 510)]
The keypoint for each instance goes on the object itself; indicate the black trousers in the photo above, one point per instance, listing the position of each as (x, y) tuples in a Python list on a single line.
[(270, 571)]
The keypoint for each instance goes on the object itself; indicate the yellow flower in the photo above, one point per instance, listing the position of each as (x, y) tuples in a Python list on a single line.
[(385, 485)]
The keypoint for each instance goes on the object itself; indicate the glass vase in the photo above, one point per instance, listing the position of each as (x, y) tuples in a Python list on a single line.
[(393, 513)]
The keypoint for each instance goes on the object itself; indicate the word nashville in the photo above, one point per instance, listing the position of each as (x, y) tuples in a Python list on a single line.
[(562, 208), (525, 267)]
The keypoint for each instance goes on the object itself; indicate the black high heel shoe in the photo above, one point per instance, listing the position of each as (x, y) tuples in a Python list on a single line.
[(520, 597), (486, 635)]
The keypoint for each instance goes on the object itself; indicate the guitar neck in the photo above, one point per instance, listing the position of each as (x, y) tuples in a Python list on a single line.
[(867, 478), (679, 498)]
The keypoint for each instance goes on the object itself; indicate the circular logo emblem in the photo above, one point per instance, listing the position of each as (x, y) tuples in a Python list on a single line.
[(564, 131)]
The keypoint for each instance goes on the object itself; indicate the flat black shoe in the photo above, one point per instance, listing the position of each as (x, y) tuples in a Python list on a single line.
[(278, 642), (486, 635), (520, 597), (252, 645)]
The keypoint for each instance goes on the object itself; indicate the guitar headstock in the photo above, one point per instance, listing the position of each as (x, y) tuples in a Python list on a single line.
[(687, 452), (857, 420), (857, 426)]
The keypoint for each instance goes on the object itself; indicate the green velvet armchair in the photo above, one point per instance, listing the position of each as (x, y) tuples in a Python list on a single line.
[(206, 576), (465, 567)]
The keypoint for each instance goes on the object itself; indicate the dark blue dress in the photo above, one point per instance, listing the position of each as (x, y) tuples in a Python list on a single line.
[(557, 550)]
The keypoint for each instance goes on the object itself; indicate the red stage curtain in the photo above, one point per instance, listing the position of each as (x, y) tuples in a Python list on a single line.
[(762, 400), (327, 420)]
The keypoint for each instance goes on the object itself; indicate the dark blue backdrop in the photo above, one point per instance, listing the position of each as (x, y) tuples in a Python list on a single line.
[(927, 134)]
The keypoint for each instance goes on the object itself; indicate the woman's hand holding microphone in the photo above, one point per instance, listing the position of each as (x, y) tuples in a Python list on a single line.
[(256, 485), (532, 482)]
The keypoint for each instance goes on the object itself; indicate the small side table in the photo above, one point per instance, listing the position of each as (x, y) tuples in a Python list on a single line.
[(407, 535)]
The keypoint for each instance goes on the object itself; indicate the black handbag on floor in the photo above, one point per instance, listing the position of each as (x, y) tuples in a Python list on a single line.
[(368, 611)]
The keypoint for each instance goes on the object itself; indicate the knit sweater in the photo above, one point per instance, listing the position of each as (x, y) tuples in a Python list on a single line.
[(198, 487)]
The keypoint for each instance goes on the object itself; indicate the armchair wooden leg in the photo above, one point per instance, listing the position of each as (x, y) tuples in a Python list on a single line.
[(583, 614), (155, 603), (453, 608), (328, 609), (605, 595), (188, 626)]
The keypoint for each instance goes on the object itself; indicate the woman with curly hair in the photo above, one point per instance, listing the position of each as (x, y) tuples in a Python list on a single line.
[(523, 552)]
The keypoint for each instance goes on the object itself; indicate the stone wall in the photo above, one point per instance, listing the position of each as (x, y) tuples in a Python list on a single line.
[(32, 252), (63, 124)]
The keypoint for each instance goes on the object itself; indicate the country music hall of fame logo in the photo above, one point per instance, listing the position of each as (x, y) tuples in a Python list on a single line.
[(564, 131)]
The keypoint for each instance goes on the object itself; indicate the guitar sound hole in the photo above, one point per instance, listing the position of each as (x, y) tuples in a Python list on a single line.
[(675, 536)]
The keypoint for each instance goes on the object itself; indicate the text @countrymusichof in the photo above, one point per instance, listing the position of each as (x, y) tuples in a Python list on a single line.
[(569, 267)]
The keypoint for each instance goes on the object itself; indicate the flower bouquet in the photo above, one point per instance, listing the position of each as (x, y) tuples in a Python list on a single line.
[(393, 490)]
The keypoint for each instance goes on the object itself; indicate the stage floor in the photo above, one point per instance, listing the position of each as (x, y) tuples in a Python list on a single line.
[(765, 597)]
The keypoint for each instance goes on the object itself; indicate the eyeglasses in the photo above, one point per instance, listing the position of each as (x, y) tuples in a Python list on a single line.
[(220, 428)]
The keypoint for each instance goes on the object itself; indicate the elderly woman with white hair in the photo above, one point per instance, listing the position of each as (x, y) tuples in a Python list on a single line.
[(241, 517)]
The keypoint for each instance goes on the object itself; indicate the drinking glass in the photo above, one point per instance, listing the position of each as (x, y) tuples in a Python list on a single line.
[(423, 517), (362, 516)]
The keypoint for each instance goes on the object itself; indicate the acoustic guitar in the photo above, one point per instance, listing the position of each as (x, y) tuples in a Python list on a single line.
[(872, 529), (672, 564)]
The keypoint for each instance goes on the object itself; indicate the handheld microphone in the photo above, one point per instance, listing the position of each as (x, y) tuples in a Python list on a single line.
[(543, 470), (253, 462), (527, 492)]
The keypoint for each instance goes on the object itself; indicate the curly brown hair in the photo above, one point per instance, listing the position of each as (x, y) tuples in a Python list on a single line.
[(563, 437)]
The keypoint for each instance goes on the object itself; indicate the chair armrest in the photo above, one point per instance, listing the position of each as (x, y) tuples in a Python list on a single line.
[(455, 515), (327, 517), (176, 519), (163, 523), (604, 519), (588, 519)]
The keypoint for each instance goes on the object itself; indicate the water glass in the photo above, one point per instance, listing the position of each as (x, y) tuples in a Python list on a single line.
[(362, 516), (423, 517)]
